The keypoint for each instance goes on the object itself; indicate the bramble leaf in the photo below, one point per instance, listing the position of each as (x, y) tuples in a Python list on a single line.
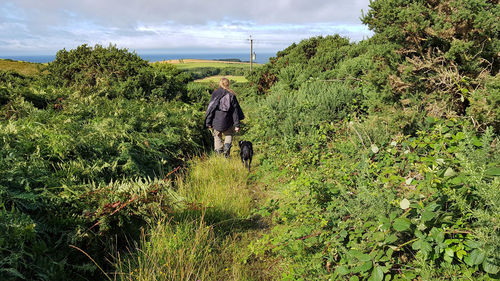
[(490, 267), (401, 224), (377, 274), (342, 270), (475, 257)]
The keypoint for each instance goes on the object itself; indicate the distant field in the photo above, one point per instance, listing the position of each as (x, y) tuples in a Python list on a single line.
[(195, 63), (26, 68), (238, 79)]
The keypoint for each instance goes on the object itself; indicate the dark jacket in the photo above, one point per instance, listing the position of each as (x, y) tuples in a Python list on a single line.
[(223, 111)]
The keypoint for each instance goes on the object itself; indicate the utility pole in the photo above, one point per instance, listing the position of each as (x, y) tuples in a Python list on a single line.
[(251, 52)]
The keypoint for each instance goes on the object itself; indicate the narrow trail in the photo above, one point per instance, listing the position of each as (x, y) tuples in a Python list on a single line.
[(214, 235), (233, 196), (226, 187)]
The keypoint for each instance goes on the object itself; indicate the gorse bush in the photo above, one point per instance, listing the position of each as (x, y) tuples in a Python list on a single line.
[(448, 48), (91, 67), (485, 104), (114, 72), (464, 32)]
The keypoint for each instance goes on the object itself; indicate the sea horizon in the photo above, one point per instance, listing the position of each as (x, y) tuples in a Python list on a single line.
[(260, 58)]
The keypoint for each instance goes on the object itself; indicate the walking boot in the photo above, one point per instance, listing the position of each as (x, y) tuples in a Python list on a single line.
[(227, 149), (218, 152)]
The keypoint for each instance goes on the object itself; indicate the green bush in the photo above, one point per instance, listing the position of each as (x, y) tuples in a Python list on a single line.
[(300, 113), (447, 48), (485, 104), (114, 72), (92, 66), (49, 157), (199, 93)]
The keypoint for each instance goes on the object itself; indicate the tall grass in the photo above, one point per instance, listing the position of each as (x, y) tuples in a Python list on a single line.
[(173, 252), (193, 247), (219, 184)]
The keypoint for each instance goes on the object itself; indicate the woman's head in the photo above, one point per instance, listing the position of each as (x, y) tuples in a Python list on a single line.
[(224, 82)]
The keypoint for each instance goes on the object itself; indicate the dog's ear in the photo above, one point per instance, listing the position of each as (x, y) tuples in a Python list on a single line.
[(240, 142)]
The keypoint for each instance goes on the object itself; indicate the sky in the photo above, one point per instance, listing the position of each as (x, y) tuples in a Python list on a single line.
[(38, 27)]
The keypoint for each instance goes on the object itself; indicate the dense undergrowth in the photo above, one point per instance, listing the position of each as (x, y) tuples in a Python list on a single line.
[(386, 151), (381, 159), (84, 151)]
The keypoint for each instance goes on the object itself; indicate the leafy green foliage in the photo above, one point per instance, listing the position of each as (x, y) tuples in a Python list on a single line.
[(114, 72), (385, 153), (83, 153), (199, 93), (345, 218), (299, 113)]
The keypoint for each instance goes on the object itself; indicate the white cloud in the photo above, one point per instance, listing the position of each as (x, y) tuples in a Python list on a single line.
[(123, 12), (50, 25)]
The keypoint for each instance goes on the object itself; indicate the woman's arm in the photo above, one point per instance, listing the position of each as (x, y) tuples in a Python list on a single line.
[(237, 112)]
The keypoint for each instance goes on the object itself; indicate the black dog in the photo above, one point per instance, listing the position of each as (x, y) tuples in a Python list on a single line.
[(246, 153)]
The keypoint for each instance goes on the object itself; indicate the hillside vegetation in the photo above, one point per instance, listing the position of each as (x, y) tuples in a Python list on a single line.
[(375, 160), (386, 151), (216, 79), (84, 152)]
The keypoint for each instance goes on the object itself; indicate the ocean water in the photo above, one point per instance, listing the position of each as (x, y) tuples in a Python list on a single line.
[(260, 58)]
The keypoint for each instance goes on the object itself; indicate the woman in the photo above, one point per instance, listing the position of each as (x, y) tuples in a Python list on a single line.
[(223, 116)]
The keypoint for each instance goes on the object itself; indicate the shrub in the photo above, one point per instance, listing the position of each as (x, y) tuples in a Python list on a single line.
[(199, 93), (74, 143), (301, 113), (446, 47), (114, 72)]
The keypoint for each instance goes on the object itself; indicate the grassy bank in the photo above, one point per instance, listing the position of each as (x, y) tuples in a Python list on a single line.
[(25, 68)]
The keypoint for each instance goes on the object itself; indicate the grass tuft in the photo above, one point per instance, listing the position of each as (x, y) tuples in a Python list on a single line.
[(218, 183)]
